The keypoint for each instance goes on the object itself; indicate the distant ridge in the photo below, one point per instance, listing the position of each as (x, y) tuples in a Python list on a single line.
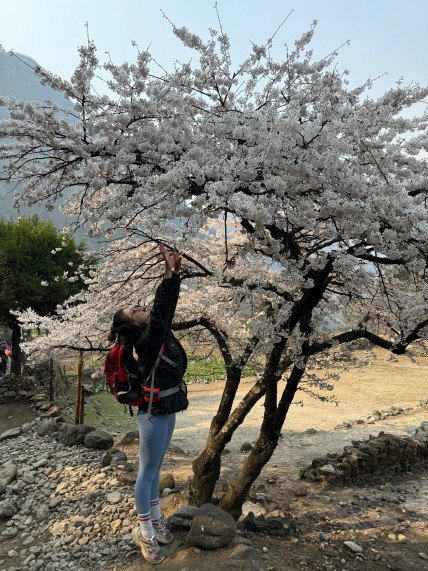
[(18, 80)]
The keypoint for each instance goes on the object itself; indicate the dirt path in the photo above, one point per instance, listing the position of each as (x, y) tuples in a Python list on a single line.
[(14, 414)]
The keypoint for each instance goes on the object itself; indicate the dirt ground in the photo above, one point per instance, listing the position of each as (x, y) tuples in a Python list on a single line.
[(386, 517)]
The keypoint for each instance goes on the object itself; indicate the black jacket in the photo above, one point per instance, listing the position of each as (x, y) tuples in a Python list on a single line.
[(157, 333)]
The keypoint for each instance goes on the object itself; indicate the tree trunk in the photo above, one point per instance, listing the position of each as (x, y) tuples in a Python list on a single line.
[(206, 468), (206, 472), (266, 444), (237, 491), (16, 365), (267, 441)]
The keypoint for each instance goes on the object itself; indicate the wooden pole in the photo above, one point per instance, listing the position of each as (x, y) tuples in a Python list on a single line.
[(78, 417), (82, 404)]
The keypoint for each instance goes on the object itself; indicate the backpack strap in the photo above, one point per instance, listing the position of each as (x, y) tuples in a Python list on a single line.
[(152, 382), (166, 392), (169, 361)]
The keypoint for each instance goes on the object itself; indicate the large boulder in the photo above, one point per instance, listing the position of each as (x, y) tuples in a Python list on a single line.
[(48, 427), (98, 439), (75, 434), (211, 528)]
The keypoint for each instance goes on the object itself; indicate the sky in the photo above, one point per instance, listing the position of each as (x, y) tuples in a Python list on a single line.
[(388, 38)]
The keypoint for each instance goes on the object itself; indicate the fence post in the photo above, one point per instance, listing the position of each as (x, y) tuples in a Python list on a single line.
[(78, 418)]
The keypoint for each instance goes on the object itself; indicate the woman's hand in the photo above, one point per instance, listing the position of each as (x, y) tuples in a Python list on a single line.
[(172, 261), (177, 261)]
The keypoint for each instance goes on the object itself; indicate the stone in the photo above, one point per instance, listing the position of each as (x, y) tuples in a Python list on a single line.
[(113, 456), (12, 433), (52, 412), (114, 497), (211, 528), (98, 439), (7, 475), (126, 475), (49, 428), (175, 450), (246, 447), (327, 469), (251, 507), (183, 517), (74, 435), (166, 481), (8, 508), (353, 547)]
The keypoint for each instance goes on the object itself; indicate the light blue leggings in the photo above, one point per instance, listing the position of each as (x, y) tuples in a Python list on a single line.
[(155, 436)]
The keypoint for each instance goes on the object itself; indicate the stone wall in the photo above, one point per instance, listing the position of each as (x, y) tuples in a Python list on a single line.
[(377, 456), (16, 388)]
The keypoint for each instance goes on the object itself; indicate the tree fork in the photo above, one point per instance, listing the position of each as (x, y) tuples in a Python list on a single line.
[(267, 442)]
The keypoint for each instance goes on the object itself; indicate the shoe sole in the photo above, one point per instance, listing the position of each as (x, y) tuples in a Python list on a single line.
[(136, 540), (163, 542)]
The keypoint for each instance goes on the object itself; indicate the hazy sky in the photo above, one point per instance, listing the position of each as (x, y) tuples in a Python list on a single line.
[(386, 36)]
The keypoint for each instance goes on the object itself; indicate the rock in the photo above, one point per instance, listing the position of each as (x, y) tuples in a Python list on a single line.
[(255, 509), (211, 528), (114, 456), (52, 412), (183, 517), (75, 434), (327, 469), (244, 552), (8, 508), (353, 547), (166, 481), (176, 450), (246, 447), (423, 555), (126, 475), (99, 439), (12, 433), (7, 475), (318, 462), (114, 497), (48, 427)]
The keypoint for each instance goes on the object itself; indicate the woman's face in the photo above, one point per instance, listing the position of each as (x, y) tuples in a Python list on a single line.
[(137, 315)]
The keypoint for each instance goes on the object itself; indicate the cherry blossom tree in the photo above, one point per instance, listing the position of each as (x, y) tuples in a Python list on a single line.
[(299, 204)]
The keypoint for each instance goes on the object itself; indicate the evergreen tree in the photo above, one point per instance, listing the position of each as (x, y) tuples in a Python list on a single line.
[(39, 268)]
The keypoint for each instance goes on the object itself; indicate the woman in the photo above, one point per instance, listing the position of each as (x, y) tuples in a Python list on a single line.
[(151, 337)]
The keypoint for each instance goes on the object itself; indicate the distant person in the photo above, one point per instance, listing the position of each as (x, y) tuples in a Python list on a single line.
[(150, 335), (5, 354)]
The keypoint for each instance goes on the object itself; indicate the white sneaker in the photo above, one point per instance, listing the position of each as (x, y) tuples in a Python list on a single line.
[(149, 546), (163, 535)]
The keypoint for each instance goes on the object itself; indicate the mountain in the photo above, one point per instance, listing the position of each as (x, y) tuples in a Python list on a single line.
[(17, 79)]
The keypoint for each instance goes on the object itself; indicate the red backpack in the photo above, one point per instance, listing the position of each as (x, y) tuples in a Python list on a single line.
[(130, 390), (125, 386)]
